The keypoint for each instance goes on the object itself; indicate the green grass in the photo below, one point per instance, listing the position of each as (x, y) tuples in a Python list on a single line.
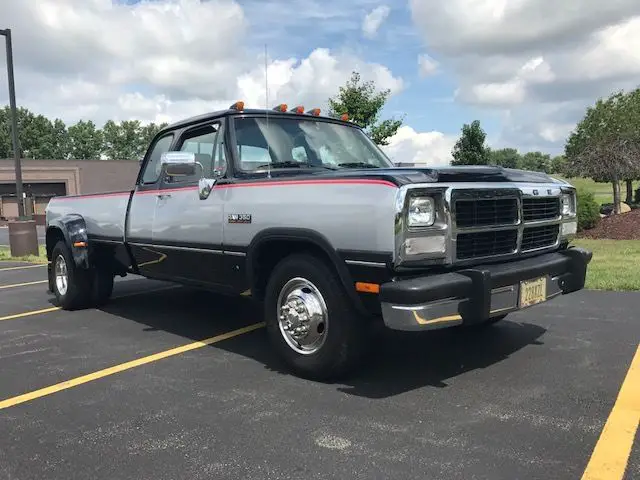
[(5, 255), (615, 264), (603, 192)]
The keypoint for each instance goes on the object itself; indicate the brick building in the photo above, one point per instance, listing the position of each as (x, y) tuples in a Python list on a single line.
[(44, 179)]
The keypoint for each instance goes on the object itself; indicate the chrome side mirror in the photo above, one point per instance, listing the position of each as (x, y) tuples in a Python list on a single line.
[(177, 164)]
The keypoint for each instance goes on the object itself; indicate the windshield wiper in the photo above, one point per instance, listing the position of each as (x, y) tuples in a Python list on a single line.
[(291, 164), (288, 164), (357, 165)]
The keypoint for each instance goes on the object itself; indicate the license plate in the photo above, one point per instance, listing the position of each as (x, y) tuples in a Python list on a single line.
[(533, 291)]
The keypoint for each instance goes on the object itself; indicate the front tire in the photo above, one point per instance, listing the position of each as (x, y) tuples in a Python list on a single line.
[(310, 321)]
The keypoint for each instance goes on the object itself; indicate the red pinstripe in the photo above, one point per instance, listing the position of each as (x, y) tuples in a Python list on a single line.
[(276, 183)]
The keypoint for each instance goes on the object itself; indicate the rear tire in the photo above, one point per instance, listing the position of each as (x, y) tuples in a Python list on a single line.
[(310, 320), (102, 286), (75, 287), (71, 285)]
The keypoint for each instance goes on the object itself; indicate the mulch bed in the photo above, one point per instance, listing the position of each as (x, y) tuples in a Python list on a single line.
[(625, 226)]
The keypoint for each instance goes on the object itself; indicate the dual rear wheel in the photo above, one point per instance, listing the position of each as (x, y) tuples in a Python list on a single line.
[(76, 287)]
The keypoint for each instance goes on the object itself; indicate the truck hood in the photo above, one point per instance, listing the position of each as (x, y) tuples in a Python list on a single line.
[(450, 174), (401, 176)]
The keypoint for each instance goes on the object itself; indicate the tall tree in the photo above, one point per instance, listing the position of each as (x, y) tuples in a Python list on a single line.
[(470, 148), (605, 144), (558, 165), (505, 157), (85, 141), (536, 161), (363, 104)]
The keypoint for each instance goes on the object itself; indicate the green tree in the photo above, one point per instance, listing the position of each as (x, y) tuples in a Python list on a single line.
[(470, 149), (558, 165), (85, 141), (536, 161), (505, 157), (363, 104), (39, 137), (605, 144)]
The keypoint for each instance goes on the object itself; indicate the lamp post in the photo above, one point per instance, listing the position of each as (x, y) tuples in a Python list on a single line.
[(23, 236)]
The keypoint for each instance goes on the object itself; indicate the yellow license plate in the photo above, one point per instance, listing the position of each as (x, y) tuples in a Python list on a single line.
[(533, 291)]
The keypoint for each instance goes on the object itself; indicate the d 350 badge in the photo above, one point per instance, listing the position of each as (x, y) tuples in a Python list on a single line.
[(239, 218)]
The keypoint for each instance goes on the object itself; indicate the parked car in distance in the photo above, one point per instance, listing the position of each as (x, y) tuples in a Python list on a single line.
[(307, 216)]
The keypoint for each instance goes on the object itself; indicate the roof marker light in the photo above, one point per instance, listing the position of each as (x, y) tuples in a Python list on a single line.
[(315, 112), (299, 109), (281, 108), (237, 106), (344, 117)]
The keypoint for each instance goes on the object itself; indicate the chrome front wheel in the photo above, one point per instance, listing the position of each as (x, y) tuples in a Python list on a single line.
[(302, 316)]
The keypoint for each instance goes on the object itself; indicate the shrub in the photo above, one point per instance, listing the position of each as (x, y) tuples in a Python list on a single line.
[(588, 210)]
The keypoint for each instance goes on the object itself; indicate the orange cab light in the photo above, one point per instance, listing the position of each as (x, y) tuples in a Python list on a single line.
[(281, 108), (238, 106), (367, 287), (299, 109), (315, 112), (344, 117)]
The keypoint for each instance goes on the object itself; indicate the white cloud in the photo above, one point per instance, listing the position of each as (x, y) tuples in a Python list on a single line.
[(374, 20), (426, 148), (427, 66), (159, 61), (516, 56), (312, 80)]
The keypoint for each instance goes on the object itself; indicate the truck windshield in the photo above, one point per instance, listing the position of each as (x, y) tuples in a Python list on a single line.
[(277, 142)]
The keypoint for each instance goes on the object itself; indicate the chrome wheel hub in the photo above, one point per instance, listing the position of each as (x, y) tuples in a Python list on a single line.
[(302, 316), (62, 277)]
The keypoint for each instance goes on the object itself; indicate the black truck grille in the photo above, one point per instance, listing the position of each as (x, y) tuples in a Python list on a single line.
[(535, 209), (486, 213), (539, 237), (486, 244)]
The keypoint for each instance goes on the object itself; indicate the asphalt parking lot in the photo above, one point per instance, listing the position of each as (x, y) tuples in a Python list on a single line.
[(127, 392)]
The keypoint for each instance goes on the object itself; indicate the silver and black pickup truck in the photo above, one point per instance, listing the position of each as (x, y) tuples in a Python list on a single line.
[(307, 216)]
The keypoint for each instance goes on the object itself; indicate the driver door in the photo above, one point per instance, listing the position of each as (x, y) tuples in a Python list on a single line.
[(188, 230)]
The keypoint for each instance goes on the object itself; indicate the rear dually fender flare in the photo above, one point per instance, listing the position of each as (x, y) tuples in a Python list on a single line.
[(71, 228)]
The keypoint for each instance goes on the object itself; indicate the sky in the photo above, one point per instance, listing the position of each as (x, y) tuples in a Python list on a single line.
[(527, 69)]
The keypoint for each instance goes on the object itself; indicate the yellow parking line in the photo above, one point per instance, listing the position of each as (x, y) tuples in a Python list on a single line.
[(25, 284), (611, 454), (10, 402), (28, 314), (24, 267)]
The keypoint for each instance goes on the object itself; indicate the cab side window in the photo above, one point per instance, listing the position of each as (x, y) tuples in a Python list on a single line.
[(207, 143), (152, 168)]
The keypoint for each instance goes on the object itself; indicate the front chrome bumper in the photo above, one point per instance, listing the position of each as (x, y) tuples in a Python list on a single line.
[(476, 294)]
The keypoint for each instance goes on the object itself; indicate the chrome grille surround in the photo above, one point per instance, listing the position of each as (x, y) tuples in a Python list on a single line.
[(447, 195)]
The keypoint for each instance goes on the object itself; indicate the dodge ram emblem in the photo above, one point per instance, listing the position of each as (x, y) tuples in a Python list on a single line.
[(239, 218)]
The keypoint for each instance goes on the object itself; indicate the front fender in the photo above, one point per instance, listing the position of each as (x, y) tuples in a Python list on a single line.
[(74, 231)]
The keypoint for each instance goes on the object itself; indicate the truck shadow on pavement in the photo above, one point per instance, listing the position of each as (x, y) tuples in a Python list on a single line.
[(398, 362)]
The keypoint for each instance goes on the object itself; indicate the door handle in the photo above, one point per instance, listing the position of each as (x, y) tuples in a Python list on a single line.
[(162, 196)]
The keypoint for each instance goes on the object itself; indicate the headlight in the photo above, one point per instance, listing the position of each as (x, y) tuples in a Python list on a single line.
[(422, 212), (568, 204)]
